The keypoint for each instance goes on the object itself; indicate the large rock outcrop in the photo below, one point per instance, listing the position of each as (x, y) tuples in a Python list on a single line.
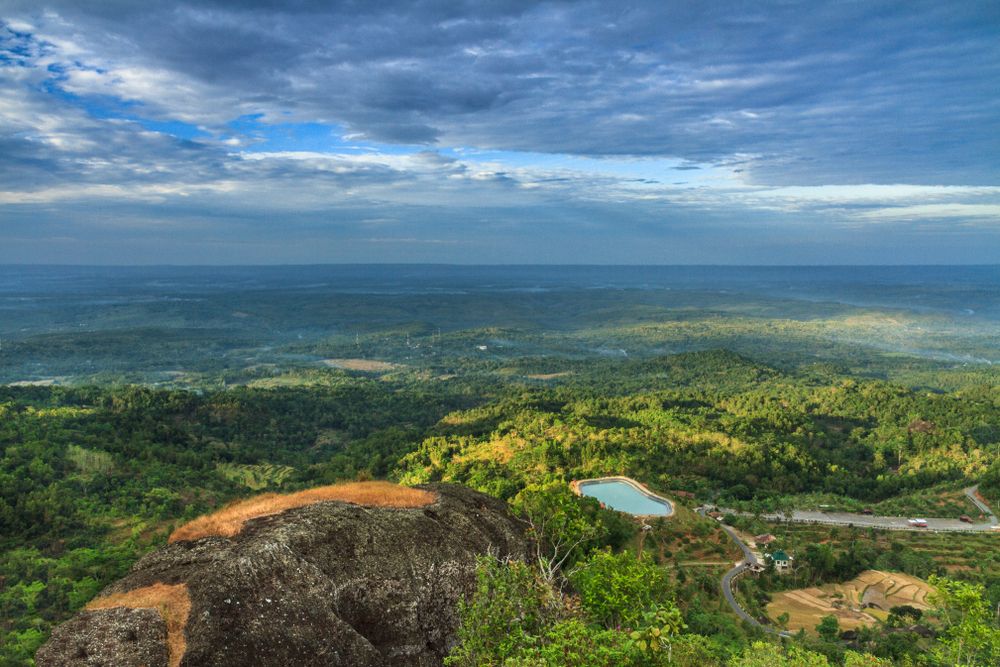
[(330, 583)]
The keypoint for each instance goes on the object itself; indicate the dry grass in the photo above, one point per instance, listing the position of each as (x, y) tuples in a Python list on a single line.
[(549, 376), (366, 365), (807, 606), (229, 520), (172, 602)]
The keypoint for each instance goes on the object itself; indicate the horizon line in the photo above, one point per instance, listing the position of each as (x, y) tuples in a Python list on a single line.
[(487, 264)]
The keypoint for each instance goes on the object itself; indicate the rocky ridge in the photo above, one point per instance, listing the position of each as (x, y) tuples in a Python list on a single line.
[(330, 583)]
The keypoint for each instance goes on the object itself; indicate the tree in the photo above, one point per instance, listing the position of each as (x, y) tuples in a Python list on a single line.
[(763, 654), (855, 659), (829, 628), (615, 589), (659, 626), (573, 642), (558, 525), (970, 637), (508, 609)]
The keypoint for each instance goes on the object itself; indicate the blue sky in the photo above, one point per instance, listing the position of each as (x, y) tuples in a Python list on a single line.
[(517, 132)]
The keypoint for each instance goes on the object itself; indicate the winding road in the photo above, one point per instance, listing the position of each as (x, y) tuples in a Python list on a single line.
[(972, 494), (839, 519), (729, 578)]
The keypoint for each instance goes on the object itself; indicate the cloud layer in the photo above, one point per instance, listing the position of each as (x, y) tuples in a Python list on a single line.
[(436, 131)]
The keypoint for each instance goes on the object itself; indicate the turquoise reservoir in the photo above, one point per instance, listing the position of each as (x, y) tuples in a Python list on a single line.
[(624, 497)]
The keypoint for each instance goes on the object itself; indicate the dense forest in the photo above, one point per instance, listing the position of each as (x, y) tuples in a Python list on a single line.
[(91, 478)]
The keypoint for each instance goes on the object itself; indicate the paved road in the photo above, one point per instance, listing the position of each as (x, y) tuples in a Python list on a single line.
[(889, 522), (983, 507)]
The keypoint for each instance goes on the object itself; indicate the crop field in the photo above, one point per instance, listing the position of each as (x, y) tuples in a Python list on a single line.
[(859, 602)]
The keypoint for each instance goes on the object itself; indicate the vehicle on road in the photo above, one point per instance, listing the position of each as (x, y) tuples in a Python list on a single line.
[(918, 523), (965, 518)]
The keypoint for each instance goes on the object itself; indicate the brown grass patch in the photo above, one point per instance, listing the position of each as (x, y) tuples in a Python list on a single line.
[(548, 376), (229, 520), (366, 365), (172, 602)]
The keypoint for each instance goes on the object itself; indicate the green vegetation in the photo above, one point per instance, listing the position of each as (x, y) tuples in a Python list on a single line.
[(90, 479), (516, 617), (170, 409), (754, 435)]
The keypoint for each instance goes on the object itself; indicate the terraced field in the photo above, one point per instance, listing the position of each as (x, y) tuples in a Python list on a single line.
[(859, 602)]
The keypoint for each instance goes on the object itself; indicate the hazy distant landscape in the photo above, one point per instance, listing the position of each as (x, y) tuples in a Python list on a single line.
[(181, 326)]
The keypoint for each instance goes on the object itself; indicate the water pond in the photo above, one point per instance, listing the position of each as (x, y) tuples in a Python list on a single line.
[(625, 497)]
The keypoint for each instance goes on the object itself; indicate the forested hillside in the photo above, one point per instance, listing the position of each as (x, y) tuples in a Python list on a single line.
[(91, 478)]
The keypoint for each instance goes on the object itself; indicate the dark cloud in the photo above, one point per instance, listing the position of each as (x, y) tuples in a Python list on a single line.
[(737, 95), (865, 91)]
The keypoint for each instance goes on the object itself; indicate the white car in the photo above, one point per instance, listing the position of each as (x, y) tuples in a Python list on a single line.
[(918, 523)]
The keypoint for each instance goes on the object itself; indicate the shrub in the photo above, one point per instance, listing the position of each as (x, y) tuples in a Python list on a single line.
[(615, 589)]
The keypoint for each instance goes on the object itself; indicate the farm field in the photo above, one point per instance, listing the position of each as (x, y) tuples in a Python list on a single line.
[(862, 601)]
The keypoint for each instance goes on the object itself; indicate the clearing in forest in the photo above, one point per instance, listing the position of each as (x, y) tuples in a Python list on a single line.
[(366, 365), (548, 376), (861, 601)]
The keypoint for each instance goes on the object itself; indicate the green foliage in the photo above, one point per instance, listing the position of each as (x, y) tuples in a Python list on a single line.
[(763, 654), (90, 478), (558, 525), (757, 443), (855, 659), (508, 611), (517, 619), (659, 626), (971, 637), (616, 589), (256, 477), (573, 642), (829, 628)]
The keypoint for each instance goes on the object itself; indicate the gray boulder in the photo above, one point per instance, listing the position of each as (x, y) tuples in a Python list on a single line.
[(327, 584)]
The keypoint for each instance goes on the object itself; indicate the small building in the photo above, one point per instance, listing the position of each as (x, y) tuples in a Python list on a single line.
[(764, 539), (756, 568), (782, 561)]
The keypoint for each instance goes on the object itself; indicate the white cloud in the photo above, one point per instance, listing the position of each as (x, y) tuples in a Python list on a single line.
[(933, 211)]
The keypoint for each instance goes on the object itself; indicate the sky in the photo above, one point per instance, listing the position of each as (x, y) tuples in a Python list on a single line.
[(600, 132)]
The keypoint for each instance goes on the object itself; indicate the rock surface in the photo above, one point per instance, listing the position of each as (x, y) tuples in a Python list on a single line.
[(328, 584)]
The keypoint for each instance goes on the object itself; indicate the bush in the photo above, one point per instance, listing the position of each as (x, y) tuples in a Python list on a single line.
[(615, 589), (509, 609)]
